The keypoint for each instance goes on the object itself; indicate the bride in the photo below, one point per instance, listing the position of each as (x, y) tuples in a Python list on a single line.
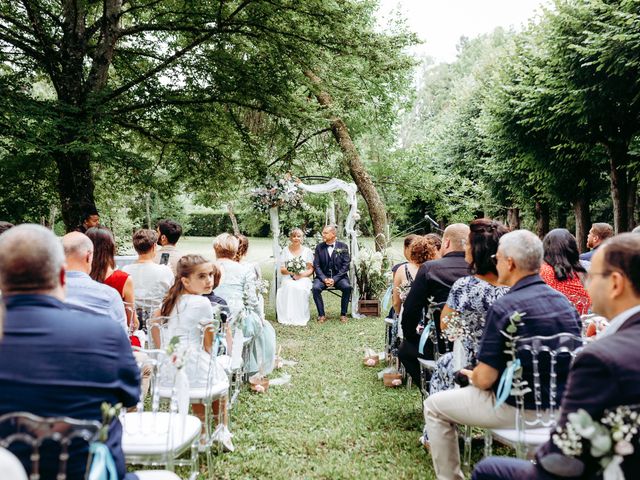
[(292, 301)]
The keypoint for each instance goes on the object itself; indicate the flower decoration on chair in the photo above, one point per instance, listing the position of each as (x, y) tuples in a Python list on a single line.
[(511, 382), (609, 440), (177, 352), (372, 273), (278, 192)]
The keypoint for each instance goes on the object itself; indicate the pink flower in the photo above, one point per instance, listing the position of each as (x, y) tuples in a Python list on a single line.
[(624, 448)]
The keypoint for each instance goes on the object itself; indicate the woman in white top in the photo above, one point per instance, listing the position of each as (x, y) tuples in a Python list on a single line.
[(151, 281), (292, 300), (187, 311)]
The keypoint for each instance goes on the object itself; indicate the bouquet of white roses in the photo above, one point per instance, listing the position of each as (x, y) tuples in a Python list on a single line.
[(296, 265)]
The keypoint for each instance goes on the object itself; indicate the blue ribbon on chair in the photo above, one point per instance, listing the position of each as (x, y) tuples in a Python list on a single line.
[(387, 299), (506, 382), (424, 336), (103, 467)]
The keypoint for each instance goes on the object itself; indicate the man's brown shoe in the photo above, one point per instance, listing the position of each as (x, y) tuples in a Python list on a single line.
[(322, 319), (343, 318)]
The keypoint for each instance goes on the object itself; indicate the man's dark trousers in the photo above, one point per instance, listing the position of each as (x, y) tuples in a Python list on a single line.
[(343, 285)]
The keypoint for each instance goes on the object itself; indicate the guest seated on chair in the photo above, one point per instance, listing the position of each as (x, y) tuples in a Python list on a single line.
[(470, 298), (151, 281), (331, 266), (605, 375), (84, 293), (545, 312), (431, 284), (562, 269), (55, 361), (417, 250), (169, 232), (103, 270)]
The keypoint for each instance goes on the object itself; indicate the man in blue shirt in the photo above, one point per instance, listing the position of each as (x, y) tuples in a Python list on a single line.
[(82, 292), (55, 361), (545, 312)]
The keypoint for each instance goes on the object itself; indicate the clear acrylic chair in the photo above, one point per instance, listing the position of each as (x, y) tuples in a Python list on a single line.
[(547, 356), (160, 438), (215, 388), (47, 444), (47, 438)]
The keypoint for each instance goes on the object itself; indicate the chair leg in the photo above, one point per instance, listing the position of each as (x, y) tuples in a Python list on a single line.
[(488, 443), (466, 451)]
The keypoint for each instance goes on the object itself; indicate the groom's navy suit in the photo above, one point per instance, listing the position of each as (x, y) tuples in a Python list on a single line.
[(335, 266)]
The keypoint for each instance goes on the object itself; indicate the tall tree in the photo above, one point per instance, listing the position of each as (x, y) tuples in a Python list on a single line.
[(133, 82)]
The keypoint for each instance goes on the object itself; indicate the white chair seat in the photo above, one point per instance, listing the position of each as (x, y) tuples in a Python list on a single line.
[(218, 390), (146, 433), (156, 475), (532, 436)]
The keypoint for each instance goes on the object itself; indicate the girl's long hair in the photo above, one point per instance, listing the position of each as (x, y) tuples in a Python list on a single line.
[(186, 266), (104, 252)]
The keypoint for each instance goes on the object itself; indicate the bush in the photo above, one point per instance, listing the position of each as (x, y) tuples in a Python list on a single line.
[(212, 224)]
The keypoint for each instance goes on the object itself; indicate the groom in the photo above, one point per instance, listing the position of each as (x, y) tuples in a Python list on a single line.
[(331, 266)]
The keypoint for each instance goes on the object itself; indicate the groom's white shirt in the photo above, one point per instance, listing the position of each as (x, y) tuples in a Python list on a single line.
[(330, 248)]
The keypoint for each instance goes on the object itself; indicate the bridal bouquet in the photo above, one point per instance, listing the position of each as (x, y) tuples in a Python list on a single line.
[(296, 265), (609, 440)]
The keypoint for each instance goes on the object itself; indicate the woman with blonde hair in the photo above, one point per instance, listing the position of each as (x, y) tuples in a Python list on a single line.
[(239, 287)]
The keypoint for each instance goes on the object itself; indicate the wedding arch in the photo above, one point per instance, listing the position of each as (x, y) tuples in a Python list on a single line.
[(330, 186)]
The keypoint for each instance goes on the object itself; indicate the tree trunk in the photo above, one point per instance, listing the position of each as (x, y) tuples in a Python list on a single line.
[(618, 163), (583, 221), (542, 219), (561, 215), (234, 220), (513, 218), (632, 193), (367, 189), (75, 187)]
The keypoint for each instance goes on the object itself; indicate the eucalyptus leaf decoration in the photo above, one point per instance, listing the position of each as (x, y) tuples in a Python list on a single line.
[(519, 387), (108, 414)]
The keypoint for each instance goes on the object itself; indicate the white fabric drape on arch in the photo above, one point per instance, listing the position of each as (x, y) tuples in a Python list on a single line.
[(332, 185)]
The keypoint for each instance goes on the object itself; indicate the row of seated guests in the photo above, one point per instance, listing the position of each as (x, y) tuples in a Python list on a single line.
[(498, 260)]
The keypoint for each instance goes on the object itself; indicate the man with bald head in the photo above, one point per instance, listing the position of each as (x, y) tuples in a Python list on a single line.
[(56, 361), (83, 293), (431, 285)]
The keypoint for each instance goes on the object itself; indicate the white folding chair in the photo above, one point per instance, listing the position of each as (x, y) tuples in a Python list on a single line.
[(156, 437)]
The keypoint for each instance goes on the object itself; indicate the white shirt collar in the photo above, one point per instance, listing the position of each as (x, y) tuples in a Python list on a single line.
[(617, 321)]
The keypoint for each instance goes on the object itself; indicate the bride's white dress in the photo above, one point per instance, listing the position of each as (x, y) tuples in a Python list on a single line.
[(292, 301)]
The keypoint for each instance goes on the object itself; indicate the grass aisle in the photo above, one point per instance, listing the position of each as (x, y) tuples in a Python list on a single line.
[(334, 420)]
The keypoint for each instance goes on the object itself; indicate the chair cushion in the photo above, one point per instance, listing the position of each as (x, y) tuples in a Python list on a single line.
[(532, 436), (147, 433), (156, 475)]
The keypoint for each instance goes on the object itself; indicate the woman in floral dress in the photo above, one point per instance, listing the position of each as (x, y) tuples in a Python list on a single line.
[(469, 300)]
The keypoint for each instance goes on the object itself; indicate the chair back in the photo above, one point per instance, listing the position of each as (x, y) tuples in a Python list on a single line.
[(44, 445), (548, 357), (158, 333)]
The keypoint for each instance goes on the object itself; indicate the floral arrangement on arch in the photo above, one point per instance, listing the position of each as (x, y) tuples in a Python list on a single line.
[(373, 273), (278, 192)]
